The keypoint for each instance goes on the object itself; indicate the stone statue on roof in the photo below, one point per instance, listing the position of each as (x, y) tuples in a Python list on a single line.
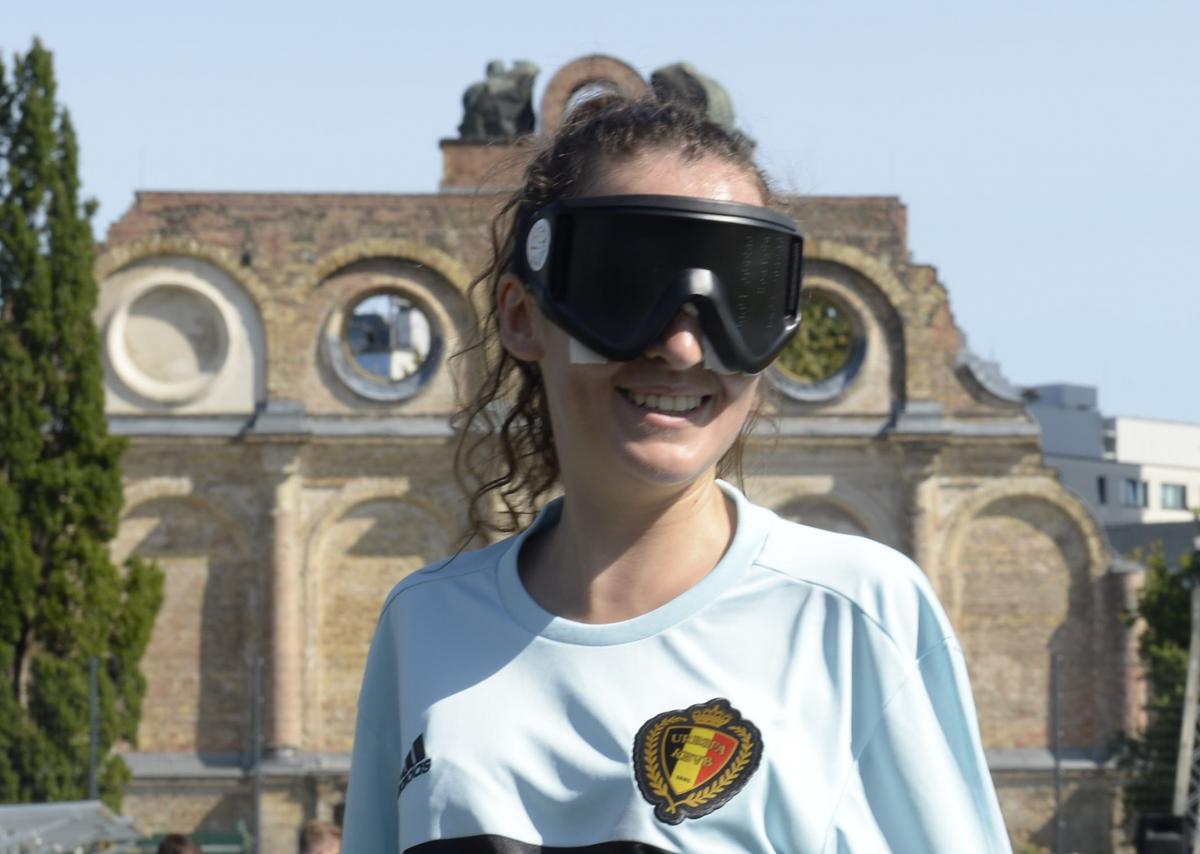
[(499, 107), (683, 84)]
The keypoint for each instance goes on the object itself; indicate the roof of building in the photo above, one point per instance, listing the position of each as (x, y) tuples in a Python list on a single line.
[(1176, 537), (63, 826)]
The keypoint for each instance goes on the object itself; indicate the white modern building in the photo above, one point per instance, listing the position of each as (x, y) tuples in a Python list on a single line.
[(1129, 471), (1169, 455)]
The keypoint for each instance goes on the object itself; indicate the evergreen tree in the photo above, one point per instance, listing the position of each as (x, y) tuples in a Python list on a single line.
[(1164, 610), (62, 600)]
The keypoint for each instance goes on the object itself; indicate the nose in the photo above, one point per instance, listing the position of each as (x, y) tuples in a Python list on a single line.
[(680, 346)]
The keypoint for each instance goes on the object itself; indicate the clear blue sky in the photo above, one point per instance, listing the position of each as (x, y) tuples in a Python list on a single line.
[(1049, 153)]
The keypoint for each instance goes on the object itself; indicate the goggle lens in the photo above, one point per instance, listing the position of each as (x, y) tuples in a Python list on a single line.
[(618, 276)]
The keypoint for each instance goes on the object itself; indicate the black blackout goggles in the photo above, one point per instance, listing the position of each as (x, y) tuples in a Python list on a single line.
[(614, 271)]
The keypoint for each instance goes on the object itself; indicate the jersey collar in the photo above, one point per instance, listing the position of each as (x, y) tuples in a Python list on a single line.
[(748, 539)]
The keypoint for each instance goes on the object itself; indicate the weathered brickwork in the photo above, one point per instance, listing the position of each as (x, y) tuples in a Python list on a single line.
[(189, 806), (469, 165), (282, 525), (1088, 819), (360, 556), (1021, 564)]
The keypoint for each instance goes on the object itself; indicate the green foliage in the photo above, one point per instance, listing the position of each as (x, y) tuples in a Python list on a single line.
[(62, 600), (1148, 759), (822, 346)]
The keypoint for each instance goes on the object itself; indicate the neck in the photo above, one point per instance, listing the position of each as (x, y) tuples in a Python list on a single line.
[(611, 561)]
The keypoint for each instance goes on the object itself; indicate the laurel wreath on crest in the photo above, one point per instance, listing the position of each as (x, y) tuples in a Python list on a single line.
[(658, 784), (654, 776)]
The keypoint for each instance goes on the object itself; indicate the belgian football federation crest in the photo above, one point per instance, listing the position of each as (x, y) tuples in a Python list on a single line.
[(691, 761)]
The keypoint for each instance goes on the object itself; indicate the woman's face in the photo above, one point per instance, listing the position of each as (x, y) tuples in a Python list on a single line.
[(662, 419)]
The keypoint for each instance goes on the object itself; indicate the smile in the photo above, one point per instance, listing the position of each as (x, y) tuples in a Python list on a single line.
[(679, 404)]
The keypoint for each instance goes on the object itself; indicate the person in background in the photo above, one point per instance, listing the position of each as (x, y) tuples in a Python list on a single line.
[(177, 843), (320, 837)]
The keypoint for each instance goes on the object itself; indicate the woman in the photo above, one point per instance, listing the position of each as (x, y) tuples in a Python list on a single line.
[(655, 664)]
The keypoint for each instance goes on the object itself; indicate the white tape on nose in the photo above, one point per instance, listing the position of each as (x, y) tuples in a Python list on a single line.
[(581, 354), (712, 360)]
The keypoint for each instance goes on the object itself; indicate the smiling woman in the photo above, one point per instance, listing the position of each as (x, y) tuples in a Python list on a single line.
[(655, 663)]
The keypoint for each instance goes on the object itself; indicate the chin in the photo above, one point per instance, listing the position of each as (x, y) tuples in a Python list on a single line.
[(668, 467)]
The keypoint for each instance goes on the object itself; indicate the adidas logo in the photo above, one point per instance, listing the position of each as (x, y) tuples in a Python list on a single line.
[(415, 763)]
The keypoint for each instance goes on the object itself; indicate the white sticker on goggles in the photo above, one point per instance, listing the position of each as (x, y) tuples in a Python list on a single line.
[(537, 245)]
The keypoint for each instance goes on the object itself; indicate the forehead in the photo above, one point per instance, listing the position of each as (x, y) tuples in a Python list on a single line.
[(665, 173)]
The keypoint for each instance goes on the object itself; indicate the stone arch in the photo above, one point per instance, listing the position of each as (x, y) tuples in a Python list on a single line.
[(369, 537), (141, 491), (863, 263), (197, 662), (360, 490), (576, 74), (402, 250), (116, 258), (827, 511), (1035, 488), (1021, 574)]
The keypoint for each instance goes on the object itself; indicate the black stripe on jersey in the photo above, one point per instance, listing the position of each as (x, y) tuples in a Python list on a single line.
[(415, 753), (503, 845)]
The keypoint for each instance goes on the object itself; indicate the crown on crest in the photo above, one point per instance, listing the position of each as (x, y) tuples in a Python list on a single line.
[(713, 716)]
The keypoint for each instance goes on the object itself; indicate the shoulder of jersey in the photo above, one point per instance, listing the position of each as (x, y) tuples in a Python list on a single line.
[(884, 584), (449, 569)]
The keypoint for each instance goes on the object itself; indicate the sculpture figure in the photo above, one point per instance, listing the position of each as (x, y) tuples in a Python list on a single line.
[(683, 84), (500, 106)]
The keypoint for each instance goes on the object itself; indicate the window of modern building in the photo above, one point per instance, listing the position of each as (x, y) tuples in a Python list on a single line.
[(1102, 489), (388, 337), (385, 345), (1134, 492), (1174, 496)]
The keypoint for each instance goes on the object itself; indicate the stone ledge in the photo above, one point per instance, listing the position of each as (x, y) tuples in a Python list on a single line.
[(1074, 760), (280, 419), (219, 426), (905, 425), (236, 426), (232, 766), (170, 766)]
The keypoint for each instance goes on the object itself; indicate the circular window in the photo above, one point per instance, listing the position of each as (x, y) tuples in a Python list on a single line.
[(169, 342), (826, 353), (384, 346)]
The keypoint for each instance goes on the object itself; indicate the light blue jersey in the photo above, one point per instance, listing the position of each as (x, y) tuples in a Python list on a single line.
[(808, 695)]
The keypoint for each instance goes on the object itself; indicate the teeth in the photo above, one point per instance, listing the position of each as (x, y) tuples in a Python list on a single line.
[(665, 402)]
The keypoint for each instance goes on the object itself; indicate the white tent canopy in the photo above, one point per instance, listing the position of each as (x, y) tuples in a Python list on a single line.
[(65, 826)]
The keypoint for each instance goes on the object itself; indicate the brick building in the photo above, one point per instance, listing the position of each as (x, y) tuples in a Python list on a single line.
[(279, 363)]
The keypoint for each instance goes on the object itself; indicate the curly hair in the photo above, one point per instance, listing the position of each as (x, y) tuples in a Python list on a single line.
[(505, 438)]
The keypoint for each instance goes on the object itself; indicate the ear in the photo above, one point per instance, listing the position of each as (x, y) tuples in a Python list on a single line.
[(518, 315)]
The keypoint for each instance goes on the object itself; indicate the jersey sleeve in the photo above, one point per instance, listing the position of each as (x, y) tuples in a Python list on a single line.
[(921, 782), (371, 822)]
